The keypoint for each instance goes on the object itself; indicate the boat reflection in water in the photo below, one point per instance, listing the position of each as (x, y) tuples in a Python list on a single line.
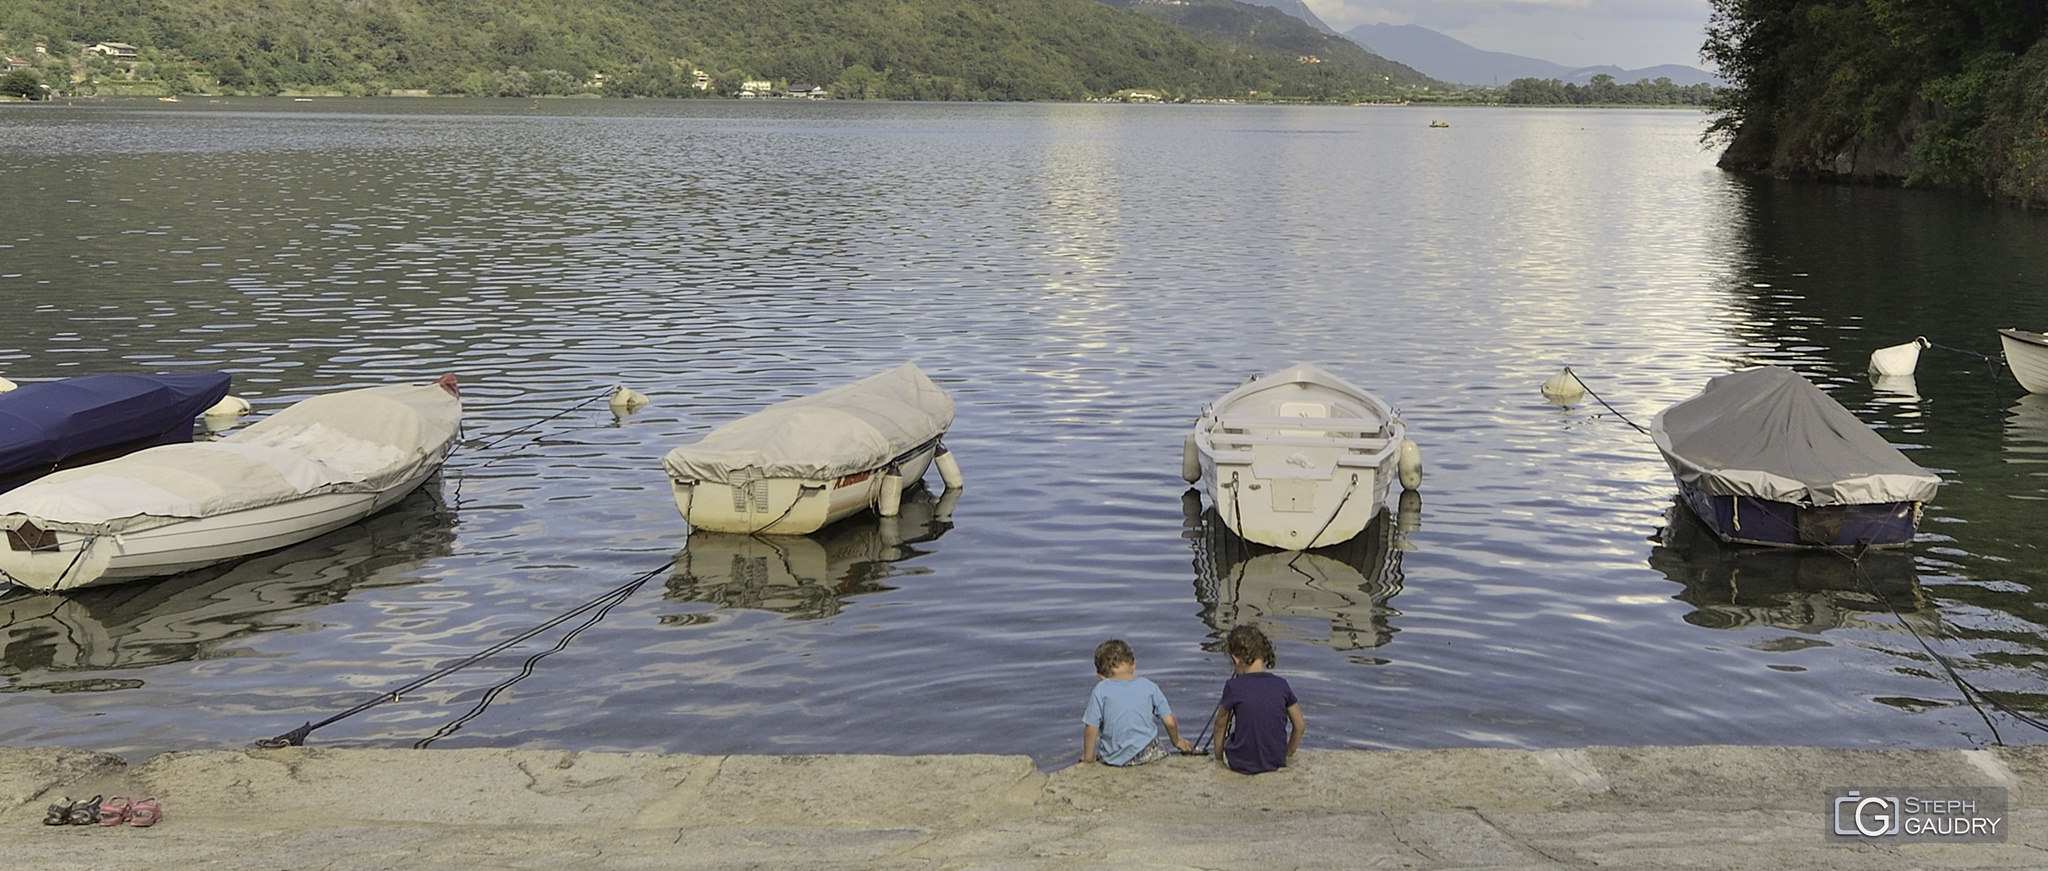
[(2026, 435), (1347, 586), (1732, 586), (191, 616), (806, 577)]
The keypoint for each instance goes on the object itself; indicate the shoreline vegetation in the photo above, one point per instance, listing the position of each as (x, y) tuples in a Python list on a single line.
[(936, 50), (1922, 93)]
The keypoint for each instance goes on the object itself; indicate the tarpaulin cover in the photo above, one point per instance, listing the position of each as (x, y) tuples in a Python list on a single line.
[(43, 423), (1767, 433), (354, 441), (848, 429)]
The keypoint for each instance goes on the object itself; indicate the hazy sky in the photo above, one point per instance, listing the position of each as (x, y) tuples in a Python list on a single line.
[(1631, 34)]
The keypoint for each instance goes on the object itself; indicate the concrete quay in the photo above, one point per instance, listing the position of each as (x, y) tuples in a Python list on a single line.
[(1597, 807)]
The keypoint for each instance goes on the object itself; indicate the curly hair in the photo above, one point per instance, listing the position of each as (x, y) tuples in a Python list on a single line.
[(1246, 643), (1112, 653)]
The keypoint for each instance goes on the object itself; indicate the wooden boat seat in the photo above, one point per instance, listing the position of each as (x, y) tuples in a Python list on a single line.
[(1354, 434)]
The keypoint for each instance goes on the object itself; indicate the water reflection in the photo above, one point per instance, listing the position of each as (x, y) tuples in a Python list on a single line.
[(191, 616), (2026, 436), (807, 577), (1347, 586), (1811, 591)]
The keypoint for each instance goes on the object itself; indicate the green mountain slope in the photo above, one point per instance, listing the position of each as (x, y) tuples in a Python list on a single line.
[(873, 49)]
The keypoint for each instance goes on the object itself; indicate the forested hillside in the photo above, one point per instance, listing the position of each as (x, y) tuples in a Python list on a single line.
[(1924, 92), (861, 49)]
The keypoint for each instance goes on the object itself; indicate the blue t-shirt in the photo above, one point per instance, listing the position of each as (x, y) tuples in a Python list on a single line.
[(1258, 704), (1127, 712)]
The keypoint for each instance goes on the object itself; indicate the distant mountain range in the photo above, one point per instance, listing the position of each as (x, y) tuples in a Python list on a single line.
[(1441, 57), (1446, 59)]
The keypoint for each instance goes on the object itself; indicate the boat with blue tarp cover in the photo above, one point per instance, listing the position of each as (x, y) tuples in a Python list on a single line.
[(51, 425)]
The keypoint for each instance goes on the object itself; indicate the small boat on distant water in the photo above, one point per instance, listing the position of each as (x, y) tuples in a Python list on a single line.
[(1298, 459), (797, 466), (319, 465), (1764, 457), (50, 425), (2026, 354)]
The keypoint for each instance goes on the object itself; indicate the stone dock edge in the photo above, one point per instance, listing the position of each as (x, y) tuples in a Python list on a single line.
[(1591, 807)]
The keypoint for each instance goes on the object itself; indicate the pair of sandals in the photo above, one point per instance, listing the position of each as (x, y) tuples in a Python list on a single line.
[(115, 811)]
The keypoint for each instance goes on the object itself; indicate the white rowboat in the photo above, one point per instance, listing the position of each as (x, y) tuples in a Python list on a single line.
[(1299, 458), (2026, 354), (314, 467)]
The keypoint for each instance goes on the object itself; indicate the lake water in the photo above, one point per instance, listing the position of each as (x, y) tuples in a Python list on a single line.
[(1081, 279)]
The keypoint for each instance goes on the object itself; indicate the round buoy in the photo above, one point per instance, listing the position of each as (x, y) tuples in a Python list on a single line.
[(1409, 461), (1190, 460), (949, 469), (1564, 388), (626, 400), (890, 500)]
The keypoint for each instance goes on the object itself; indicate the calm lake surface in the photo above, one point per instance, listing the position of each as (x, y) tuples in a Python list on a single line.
[(1081, 279)]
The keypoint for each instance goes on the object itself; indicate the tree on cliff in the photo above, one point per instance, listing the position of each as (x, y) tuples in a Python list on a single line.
[(1934, 92)]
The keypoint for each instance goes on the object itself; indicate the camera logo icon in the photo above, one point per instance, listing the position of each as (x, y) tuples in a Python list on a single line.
[(1871, 816)]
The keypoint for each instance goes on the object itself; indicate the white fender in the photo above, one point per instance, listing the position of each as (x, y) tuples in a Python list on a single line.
[(890, 500), (1409, 461), (228, 406), (1190, 460), (949, 469)]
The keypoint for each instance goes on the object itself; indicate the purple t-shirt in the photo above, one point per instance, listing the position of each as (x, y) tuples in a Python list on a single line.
[(1258, 704)]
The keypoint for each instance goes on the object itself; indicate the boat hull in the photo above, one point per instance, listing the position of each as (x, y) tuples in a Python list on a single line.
[(84, 560), (1750, 520), (792, 506), (2026, 354), (1298, 459)]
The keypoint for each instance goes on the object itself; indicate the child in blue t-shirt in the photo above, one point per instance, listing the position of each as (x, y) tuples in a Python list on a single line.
[(1258, 722), (1117, 726)]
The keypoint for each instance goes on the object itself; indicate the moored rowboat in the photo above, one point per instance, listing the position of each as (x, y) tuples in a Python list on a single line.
[(316, 466), (1764, 457), (796, 466), (51, 425), (1297, 459), (2026, 354)]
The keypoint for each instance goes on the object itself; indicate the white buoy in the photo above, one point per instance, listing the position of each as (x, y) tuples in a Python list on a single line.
[(228, 406), (1409, 461), (6, 385), (1190, 460), (1564, 388), (1897, 385), (890, 500), (626, 400), (1898, 359), (949, 469)]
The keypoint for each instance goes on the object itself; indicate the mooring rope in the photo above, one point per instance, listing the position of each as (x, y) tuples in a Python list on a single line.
[(1970, 692), (297, 737), (526, 669), (1617, 412), (1987, 358)]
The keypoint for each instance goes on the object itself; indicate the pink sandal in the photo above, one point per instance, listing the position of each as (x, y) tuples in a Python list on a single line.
[(145, 813), (116, 810)]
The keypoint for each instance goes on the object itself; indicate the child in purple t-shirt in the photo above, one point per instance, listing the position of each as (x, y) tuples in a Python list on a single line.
[(1258, 722)]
